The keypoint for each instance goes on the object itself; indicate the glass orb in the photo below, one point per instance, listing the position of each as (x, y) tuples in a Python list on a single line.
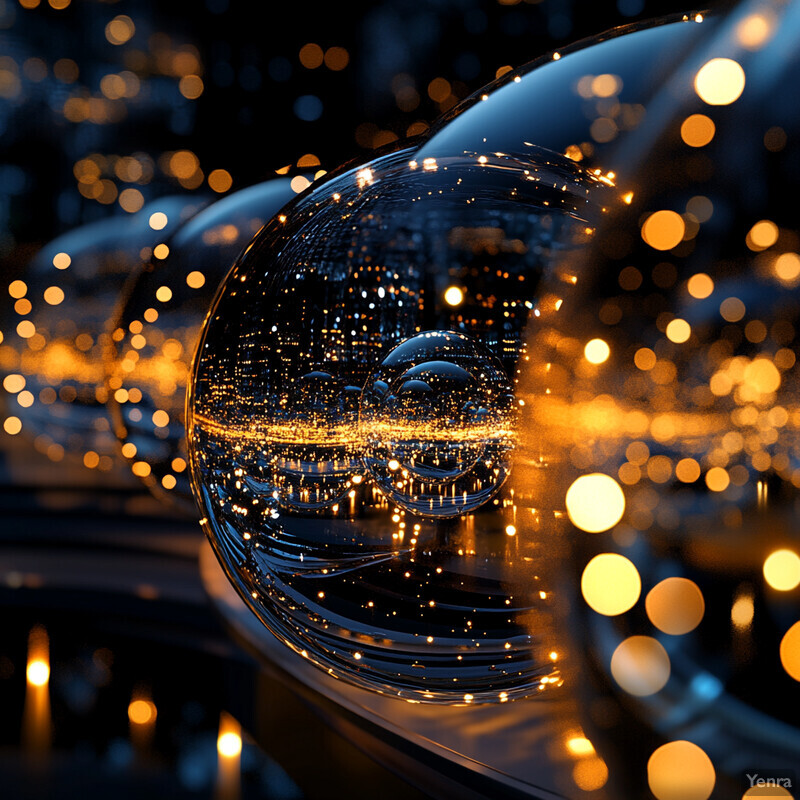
[(436, 415), (351, 413), (56, 338), (688, 592), (155, 332)]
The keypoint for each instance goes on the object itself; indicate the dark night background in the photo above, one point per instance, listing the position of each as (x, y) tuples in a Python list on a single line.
[(399, 63)]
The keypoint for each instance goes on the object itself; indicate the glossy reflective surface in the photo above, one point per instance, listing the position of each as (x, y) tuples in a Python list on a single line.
[(325, 469), (156, 332)]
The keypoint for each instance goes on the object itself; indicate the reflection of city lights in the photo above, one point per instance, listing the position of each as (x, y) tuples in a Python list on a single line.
[(782, 570), (595, 502)]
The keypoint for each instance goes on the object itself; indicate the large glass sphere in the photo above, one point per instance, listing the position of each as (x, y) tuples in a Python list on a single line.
[(56, 338), (661, 398), (155, 333), (352, 413)]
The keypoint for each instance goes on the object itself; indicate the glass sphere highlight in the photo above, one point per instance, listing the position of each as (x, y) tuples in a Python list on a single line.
[(352, 472), (437, 420), (155, 332)]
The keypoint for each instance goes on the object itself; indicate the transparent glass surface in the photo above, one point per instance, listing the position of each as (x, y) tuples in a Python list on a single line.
[(55, 330), (155, 333), (352, 474), (661, 398)]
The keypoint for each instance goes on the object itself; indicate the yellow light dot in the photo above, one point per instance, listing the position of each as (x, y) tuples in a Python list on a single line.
[(161, 251), (679, 331), (720, 81), (229, 744), (663, 230), (511, 530), (645, 359), (299, 183), (12, 425), (610, 584), (220, 180), (169, 482), (158, 220), (195, 279), (17, 289), (140, 712), (687, 470), (590, 774), (606, 85), (160, 418), (178, 464), (790, 651), (141, 469), (680, 771), (580, 746), (762, 235), (697, 130), (787, 267), (640, 665), (754, 30), (91, 459), (61, 260), (14, 383), (138, 341), (53, 295), (25, 399), (675, 606), (393, 465), (595, 502), (762, 376), (38, 672), (164, 294), (782, 570), (129, 450), (700, 286), (26, 329), (596, 351), (717, 479), (453, 296), (742, 611)]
